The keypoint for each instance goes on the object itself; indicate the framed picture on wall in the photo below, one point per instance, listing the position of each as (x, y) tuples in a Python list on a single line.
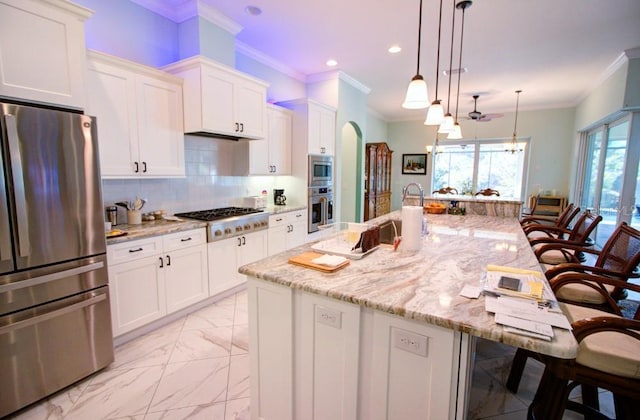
[(414, 164)]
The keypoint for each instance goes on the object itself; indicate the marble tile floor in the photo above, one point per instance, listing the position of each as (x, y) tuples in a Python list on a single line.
[(198, 368)]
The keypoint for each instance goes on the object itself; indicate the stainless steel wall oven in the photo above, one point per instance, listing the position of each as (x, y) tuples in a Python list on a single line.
[(320, 207), (320, 170)]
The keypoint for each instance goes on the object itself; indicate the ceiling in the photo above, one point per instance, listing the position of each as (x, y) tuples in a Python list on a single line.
[(555, 51)]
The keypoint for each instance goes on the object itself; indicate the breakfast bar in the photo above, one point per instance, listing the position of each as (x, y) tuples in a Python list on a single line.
[(387, 336)]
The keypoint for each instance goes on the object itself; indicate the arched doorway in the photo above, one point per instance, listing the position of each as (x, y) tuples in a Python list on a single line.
[(351, 183)]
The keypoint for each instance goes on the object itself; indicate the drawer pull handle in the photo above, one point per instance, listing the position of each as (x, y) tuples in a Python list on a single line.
[(185, 239), (136, 250), (161, 262), (168, 260), (278, 220)]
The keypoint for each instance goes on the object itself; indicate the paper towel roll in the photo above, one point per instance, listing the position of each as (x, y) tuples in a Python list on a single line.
[(411, 228)]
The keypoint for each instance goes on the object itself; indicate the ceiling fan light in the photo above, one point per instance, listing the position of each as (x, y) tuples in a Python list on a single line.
[(455, 133), (417, 94), (435, 115), (447, 124)]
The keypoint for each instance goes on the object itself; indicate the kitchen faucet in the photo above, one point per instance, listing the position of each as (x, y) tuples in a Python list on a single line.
[(405, 189)]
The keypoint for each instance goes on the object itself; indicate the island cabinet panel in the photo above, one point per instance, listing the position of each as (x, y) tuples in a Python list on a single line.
[(271, 338), (408, 355), (344, 361), (327, 359)]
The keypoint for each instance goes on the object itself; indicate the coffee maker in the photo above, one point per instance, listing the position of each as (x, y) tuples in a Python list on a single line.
[(279, 199)]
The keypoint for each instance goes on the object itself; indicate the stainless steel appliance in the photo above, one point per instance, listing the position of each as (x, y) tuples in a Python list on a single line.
[(320, 170), (228, 222), (55, 324), (279, 199), (320, 207)]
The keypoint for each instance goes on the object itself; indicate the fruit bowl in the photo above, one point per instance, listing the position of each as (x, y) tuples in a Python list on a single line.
[(434, 208)]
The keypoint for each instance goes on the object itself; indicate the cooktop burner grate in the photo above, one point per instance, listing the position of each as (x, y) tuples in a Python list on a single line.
[(218, 214)]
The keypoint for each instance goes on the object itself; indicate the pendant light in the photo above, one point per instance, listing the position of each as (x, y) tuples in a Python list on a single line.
[(447, 122), (456, 133), (514, 140), (417, 94), (435, 115)]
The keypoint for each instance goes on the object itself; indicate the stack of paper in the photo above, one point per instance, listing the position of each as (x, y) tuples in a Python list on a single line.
[(531, 311)]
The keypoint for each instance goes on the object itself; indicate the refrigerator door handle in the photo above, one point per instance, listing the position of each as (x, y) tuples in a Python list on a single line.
[(40, 318), (24, 246), (51, 277), (5, 232)]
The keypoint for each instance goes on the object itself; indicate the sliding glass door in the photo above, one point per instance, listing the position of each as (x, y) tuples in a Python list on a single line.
[(604, 179)]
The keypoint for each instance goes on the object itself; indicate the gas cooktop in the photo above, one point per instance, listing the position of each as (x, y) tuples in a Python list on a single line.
[(218, 214), (227, 222)]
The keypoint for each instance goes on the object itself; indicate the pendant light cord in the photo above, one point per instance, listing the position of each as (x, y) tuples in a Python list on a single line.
[(438, 54), (419, 38), (464, 7), (453, 26)]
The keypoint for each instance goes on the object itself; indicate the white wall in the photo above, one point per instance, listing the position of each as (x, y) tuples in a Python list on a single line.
[(551, 133)]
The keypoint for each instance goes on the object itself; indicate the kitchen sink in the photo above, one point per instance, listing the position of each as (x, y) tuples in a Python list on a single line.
[(387, 232)]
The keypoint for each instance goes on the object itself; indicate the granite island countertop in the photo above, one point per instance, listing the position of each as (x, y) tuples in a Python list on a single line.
[(425, 285)]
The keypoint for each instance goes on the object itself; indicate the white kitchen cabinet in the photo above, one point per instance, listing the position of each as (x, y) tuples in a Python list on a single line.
[(186, 270), (139, 112), (152, 277), (314, 125), (221, 101), (287, 230), (272, 155), (227, 255), (42, 51)]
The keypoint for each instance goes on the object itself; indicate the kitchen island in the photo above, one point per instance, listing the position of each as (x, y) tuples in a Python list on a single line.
[(388, 336), (479, 204)]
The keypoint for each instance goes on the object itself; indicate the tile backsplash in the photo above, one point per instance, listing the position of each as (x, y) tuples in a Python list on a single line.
[(205, 185)]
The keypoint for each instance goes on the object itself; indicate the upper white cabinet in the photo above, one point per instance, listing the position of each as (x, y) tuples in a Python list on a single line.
[(317, 123), (272, 155), (139, 111), (42, 51), (220, 101)]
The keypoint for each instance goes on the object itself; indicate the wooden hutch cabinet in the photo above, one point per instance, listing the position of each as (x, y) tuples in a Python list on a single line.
[(377, 195)]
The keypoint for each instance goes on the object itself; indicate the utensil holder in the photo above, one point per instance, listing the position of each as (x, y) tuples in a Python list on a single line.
[(134, 217)]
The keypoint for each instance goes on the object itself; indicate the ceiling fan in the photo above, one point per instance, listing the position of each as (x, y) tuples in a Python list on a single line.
[(479, 116)]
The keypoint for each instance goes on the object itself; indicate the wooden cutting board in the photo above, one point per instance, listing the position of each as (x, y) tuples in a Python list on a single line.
[(304, 260)]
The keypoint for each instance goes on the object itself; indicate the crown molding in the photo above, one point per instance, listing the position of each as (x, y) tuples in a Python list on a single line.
[(269, 61), (181, 10), (340, 75)]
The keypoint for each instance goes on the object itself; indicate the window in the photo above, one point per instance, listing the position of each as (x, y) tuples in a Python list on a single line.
[(470, 166)]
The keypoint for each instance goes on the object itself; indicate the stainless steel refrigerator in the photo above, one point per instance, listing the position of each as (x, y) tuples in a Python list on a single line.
[(55, 324)]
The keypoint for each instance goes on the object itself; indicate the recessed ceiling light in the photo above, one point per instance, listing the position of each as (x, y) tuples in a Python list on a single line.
[(253, 10), (394, 49), (332, 63)]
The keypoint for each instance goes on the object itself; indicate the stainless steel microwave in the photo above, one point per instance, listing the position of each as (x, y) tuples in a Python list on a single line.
[(320, 170)]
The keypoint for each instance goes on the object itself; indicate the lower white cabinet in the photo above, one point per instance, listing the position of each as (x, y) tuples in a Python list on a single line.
[(227, 255), (349, 362), (152, 277), (287, 230)]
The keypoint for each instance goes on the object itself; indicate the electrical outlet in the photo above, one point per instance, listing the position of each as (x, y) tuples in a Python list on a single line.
[(329, 317), (409, 341)]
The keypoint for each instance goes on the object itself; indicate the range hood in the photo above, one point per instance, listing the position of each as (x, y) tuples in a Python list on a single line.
[(220, 101)]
